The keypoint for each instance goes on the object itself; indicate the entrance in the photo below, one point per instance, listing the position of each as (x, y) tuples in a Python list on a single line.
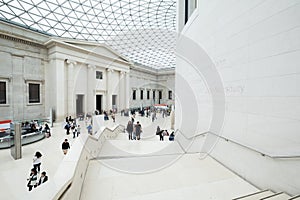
[(114, 102), (99, 103), (159, 97), (79, 104)]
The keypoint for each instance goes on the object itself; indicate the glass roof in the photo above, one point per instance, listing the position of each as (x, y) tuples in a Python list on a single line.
[(141, 30)]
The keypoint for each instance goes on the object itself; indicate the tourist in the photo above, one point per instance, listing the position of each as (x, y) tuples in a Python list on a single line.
[(32, 180), (129, 129), (37, 159), (43, 178), (67, 127), (73, 128), (157, 130), (89, 128), (162, 134), (172, 136), (65, 146), (47, 130), (78, 130), (153, 116), (113, 117), (138, 130)]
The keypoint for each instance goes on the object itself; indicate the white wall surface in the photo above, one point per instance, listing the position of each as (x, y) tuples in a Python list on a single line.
[(254, 48)]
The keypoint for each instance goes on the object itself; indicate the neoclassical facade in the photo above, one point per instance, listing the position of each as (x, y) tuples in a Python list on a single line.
[(151, 86), (39, 73)]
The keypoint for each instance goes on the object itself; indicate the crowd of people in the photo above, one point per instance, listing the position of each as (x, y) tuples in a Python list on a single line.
[(72, 126), (134, 130), (35, 177)]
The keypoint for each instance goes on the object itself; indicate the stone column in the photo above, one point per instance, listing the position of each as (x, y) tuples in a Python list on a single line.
[(122, 91), (109, 89), (59, 88), (71, 98), (154, 96), (127, 90), (91, 86)]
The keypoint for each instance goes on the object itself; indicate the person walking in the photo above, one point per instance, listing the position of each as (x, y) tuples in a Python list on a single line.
[(90, 128), (37, 160), (129, 129), (162, 134), (105, 116), (153, 116), (65, 146), (32, 180), (67, 127), (172, 136), (73, 128), (157, 130), (78, 130), (43, 178), (113, 117), (47, 130), (138, 130)]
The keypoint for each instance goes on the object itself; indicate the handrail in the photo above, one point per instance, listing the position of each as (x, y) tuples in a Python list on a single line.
[(75, 174), (253, 149), (237, 143), (187, 138), (192, 137), (109, 129)]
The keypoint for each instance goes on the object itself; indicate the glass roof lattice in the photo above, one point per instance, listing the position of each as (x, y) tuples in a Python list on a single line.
[(141, 30)]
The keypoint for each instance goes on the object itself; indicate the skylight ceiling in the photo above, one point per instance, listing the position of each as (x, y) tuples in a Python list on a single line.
[(141, 30)]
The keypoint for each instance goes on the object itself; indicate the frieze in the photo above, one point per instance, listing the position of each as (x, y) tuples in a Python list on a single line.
[(20, 41)]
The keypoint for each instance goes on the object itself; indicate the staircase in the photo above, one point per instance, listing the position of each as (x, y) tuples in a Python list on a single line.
[(267, 195)]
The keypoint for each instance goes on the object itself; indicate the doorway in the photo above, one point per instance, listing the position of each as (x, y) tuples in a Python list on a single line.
[(114, 102), (159, 97), (79, 104), (99, 103)]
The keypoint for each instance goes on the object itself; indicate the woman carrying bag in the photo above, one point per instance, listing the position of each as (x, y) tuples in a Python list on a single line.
[(32, 180)]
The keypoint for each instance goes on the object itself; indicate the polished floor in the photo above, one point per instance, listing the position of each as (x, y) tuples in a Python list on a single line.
[(188, 177)]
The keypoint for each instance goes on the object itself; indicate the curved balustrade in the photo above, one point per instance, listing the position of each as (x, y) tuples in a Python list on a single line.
[(68, 180), (6, 141)]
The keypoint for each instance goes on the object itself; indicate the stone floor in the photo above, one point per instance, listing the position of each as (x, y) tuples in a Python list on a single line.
[(187, 178)]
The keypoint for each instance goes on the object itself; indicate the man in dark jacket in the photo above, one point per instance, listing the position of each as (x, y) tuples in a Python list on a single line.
[(138, 130), (43, 178), (65, 146)]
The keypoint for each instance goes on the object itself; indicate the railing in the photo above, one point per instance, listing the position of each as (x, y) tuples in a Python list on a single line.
[(68, 180), (28, 138), (234, 142)]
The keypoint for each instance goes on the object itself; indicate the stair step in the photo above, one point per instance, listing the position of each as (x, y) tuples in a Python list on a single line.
[(277, 196), (297, 197), (255, 196)]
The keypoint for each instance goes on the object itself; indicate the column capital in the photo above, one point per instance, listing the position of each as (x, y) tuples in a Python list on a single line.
[(122, 72), (71, 62), (110, 70), (91, 66)]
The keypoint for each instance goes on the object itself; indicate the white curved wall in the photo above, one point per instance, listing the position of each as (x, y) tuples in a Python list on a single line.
[(255, 48)]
